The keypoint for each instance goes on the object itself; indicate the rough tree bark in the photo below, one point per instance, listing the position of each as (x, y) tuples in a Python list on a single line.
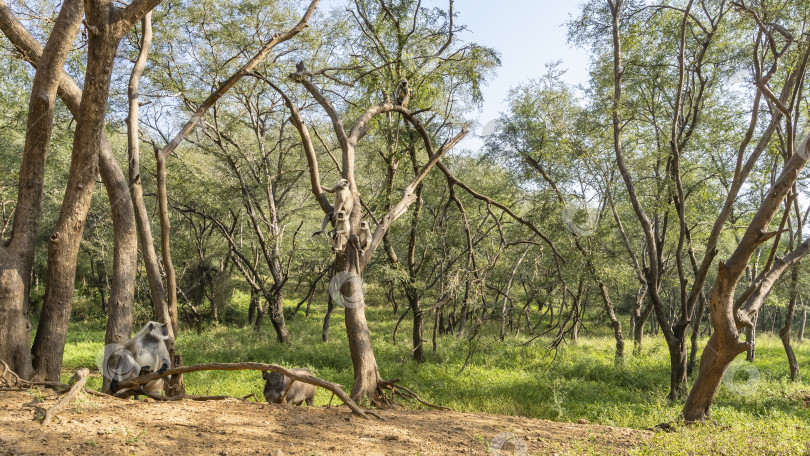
[(17, 254), (119, 323), (107, 24)]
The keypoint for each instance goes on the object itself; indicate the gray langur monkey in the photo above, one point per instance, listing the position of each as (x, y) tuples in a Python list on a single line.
[(402, 94), (340, 236), (364, 237), (148, 351), (343, 202)]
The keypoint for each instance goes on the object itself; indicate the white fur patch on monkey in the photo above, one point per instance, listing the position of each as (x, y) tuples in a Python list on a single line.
[(343, 202), (148, 353), (364, 237)]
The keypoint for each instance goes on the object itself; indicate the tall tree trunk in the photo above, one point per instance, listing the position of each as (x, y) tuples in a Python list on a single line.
[(144, 227), (804, 323), (125, 256), (165, 240), (366, 372), (107, 25), (16, 260), (63, 244)]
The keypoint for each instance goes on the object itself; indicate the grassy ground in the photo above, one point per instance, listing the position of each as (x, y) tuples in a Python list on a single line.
[(757, 411)]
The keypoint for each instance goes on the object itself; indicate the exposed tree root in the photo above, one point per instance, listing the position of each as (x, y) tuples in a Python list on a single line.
[(10, 381), (386, 386), (333, 387), (78, 381)]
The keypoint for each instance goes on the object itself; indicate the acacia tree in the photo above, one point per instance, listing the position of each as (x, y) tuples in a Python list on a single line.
[(539, 138), (367, 379), (773, 44), (403, 40), (669, 106)]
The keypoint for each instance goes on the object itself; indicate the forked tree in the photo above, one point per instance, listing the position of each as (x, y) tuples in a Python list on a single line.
[(731, 311), (350, 262), (106, 25)]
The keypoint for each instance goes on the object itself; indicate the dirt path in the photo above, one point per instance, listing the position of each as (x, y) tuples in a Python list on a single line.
[(94, 425)]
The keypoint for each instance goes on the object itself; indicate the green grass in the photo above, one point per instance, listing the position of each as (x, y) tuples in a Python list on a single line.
[(508, 378)]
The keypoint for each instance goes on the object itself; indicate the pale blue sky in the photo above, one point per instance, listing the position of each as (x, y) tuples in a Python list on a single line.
[(528, 34)]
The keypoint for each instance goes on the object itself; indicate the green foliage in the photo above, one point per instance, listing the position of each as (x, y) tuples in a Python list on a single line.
[(577, 382)]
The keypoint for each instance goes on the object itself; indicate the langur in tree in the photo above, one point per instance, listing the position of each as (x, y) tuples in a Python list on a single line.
[(343, 202), (340, 236), (364, 237), (402, 94)]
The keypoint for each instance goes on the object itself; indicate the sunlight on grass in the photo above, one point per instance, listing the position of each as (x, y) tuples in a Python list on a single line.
[(580, 382)]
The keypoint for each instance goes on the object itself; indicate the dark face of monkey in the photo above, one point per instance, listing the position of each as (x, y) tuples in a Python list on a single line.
[(341, 215), (162, 329), (363, 224)]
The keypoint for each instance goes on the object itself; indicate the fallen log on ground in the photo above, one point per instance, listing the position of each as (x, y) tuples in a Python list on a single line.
[(333, 387), (78, 381)]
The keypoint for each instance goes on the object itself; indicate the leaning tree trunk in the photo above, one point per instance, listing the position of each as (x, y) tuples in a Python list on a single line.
[(724, 345), (125, 257), (165, 240), (147, 241), (63, 244)]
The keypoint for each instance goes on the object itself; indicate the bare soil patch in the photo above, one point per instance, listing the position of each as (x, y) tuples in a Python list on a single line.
[(98, 425)]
